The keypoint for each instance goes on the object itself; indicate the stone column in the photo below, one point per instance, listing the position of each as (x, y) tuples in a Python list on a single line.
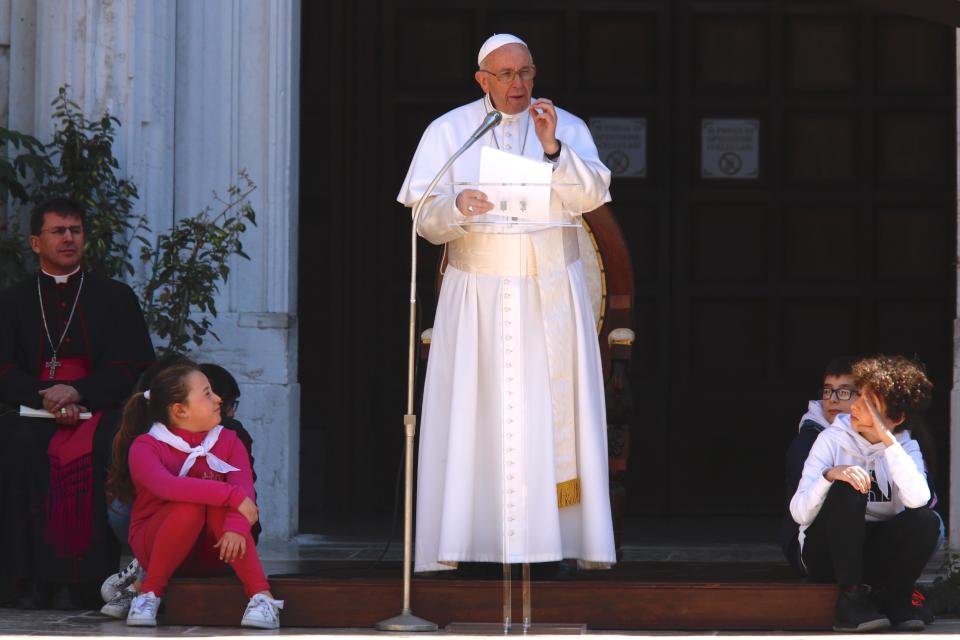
[(237, 80)]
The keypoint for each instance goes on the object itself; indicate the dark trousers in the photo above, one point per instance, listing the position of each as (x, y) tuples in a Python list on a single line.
[(840, 546)]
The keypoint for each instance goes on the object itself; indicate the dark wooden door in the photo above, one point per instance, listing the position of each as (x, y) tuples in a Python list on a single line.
[(842, 243)]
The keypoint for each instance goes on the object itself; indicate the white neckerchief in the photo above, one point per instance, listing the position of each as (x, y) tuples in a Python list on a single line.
[(815, 414), (161, 433), (871, 454), (61, 279)]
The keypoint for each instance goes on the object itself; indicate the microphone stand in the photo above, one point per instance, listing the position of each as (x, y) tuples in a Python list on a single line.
[(406, 621)]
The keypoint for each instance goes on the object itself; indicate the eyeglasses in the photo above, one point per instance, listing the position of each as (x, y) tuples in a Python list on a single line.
[(507, 76), (59, 232), (840, 395)]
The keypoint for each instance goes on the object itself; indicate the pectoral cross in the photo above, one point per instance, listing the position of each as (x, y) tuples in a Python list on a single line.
[(52, 365)]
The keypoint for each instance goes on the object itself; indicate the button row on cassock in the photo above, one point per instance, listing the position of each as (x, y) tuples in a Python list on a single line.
[(509, 405)]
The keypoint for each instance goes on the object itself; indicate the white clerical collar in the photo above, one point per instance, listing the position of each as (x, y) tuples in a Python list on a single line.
[(507, 118), (61, 279)]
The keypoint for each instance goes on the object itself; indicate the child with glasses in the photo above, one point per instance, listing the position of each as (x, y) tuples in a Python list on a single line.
[(837, 394), (225, 385), (861, 502)]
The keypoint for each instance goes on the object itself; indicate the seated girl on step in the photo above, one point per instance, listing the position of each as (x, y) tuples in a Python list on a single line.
[(192, 492), (861, 502)]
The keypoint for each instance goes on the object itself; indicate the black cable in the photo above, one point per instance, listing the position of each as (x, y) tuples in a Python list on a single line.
[(403, 450), (396, 509)]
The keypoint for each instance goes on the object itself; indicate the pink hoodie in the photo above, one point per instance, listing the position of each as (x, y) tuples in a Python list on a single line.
[(154, 466)]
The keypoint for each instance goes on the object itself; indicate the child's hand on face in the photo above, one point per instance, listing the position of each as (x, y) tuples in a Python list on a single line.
[(232, 545), (882, 425), (248, 509)]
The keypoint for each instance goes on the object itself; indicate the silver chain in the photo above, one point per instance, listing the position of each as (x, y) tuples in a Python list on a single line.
[(43, 314)]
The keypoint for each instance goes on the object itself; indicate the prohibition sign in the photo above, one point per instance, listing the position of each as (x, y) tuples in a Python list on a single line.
[(617, 161), (730, 163)]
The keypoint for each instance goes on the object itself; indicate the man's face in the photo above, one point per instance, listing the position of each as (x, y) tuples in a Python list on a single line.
[(833, 388), (60, 243), (509, 97)]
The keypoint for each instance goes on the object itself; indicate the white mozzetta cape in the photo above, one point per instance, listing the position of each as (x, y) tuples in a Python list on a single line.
[(486, 487)]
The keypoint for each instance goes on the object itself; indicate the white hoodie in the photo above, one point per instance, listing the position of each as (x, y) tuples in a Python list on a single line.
[(816, 414), (899, 470)]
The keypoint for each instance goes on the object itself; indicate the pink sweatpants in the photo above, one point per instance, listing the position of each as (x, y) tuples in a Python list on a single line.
[(180, 537)]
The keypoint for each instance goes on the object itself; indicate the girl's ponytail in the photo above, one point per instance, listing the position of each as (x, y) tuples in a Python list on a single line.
[(168, 386), (136, 421)]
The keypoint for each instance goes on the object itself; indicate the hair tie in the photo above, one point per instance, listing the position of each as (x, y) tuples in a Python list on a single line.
[(146, 394)]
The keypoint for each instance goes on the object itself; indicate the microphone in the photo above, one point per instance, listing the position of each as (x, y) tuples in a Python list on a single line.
[(493, 119)]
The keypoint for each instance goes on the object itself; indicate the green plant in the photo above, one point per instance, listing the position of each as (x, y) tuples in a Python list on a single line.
[(30, 162), (13, 252), (186, 265), (85, 169)]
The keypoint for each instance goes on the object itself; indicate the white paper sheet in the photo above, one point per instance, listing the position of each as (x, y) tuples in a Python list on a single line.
[(29, 412), (518, 187)]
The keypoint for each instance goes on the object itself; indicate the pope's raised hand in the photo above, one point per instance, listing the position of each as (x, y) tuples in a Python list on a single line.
[(544, 116)]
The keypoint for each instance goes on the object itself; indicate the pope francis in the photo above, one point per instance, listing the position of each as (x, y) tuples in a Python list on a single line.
[(513, 447)]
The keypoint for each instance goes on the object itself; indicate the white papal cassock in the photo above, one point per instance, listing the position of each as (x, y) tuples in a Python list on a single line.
[(486, 486)]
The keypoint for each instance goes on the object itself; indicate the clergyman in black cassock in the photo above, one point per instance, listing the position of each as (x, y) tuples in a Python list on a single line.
[(83, 351)]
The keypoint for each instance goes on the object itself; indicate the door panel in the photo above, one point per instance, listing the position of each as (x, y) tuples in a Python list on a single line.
[(844, 244)]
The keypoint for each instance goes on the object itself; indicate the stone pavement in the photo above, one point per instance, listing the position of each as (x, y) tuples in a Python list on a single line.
[(57, 624)]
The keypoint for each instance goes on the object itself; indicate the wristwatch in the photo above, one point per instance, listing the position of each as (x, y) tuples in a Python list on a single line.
[(556, 154)]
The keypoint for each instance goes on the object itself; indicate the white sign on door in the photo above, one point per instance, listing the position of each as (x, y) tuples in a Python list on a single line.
[(622, 144), (730, 149)]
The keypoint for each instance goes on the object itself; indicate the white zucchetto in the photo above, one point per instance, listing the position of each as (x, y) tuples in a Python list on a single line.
[(495, 42)]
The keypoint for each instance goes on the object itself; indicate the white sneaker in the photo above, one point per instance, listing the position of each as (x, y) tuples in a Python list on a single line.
[(119, 581), (143, 610), (262, 613), (119, 605)]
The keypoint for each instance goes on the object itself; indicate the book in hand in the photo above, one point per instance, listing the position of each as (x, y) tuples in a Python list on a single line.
[(29, 412)]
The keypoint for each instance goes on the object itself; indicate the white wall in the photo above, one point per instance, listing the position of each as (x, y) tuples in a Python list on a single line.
[(202, 89)]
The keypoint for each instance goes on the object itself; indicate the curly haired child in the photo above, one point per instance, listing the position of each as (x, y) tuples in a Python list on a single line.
[(861, 501)]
